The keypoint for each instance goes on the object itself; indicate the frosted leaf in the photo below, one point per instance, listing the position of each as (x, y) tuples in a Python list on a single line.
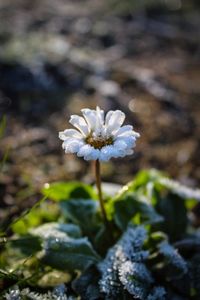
[(56, 231), (14, 294), (181, 190), (59, 293), (158, 293), (173, 257), (135, 269), (133, 275), (124, 268)]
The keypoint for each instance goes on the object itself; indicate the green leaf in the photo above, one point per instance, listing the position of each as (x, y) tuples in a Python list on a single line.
[(103, 241), (67, 190), (174, 265), (182, 191), (83, 212), (174, 212), (28, 244), (125, 210), (140, 183), (145, 177), (62, 247), (87, 285), (52, 229), (133, 208), (195, 273), (68, 253)]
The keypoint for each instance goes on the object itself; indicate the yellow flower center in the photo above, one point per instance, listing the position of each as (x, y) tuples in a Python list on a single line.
[(99, 142)]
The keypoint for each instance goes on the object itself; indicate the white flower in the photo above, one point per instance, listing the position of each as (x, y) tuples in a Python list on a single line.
[(99, 137)]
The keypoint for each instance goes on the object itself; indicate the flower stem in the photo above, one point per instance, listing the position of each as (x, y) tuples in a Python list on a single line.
[(98, 184)]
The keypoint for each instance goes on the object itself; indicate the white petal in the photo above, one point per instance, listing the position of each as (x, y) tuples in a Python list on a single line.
[(103, 156), (88, 152), (123, 130), (107, 152), (80, 124), (70, 133), (114, 120), (84, 150), (130, 133), (120, 144), (129, 140), (93, 155), (129, 152), (72, 145), (100, 115), (62, 135), (90, 117), (99, 121)]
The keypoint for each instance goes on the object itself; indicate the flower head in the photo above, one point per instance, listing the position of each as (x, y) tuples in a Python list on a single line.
[(99, 137)]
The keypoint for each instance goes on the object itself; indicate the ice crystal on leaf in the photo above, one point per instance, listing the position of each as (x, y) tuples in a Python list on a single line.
[(99, 137), (158, 293), (181, 190), (132, 275), (173, 257), (58, 293), (124, 267)]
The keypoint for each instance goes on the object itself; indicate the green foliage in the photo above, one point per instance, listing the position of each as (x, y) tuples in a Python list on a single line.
[(63, 191), (69, 254), (173, 209), (27, 244), (87, 285), (63, 248), (46, 212), (83, 212), (27, 294), (153, 253), (132, 208)]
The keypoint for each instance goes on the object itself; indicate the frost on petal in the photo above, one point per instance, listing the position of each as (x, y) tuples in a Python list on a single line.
[(114, 119), (109, 151), (127, 133), (90, 117), (128, 140), (100, 115), (62, 135), (124, 129), (129, 152), (87, 152), (120, 144), (72, 145), (93, 155), (73, 133), (99, 121), (80, 124), (104, 154)]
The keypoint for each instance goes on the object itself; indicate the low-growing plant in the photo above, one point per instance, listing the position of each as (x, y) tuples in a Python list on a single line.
[(141, 243)]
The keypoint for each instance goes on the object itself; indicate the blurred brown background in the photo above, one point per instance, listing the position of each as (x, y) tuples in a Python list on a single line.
[(57, 57)]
